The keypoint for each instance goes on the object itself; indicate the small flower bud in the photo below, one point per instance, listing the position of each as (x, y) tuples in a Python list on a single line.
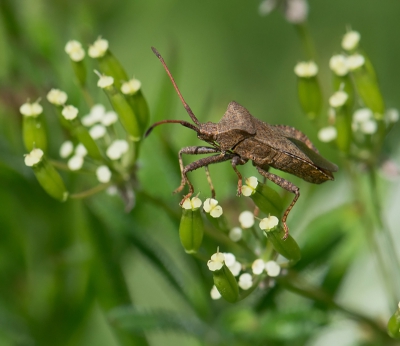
[(66, 149), (235, 234), (272, 268), (392, 115), (103, 174), (57, 97), (338, 99), (97, 131), (306, 69), (355, 61), (46, 174), (250, 187), (245, 281), (81, 150), (350, 40), (98, 49), (69, 112), (105, 81), (74, 50), (258, 266), (109, 118), (246, 219), (269, 223), (117, 149), (211, 206), (192, 204), (216, 262), (75, 163), (215, 295), (327, 134), (338, 64), (34, 157), (131, 87), (31, 109)]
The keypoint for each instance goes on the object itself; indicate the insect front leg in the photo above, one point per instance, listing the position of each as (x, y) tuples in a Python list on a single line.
[(237, 160), (288, 186), (191, 151)]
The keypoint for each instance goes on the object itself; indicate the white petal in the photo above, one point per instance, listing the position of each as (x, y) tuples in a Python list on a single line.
[(34, 157), (75, 163), (272, 268), (235, 234), (258, 266), (246, 219), (103, 174)]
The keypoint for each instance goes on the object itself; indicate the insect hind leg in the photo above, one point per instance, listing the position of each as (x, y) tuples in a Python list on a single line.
[(288, 186)]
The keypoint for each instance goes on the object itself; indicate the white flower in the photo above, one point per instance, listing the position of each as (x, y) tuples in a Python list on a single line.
[(296, 11), (246, 219), (235, 234), (272, 268), (74, 50), (338, 64), (214, 293), (105, 81), (34, 157), (392, 115), (306, 69), (230, 259), (109, 118), (327, 134), (193, 204), (117, 149), (269, 222), (97, 131), (258, 266), (69, 112), (211, 206), (75, 163), (369, 127), (338, 99), (103, 174), (362, 114), (31, 109), (216, 262), (131, 87), (98, 48), (250, 187), (96, 114), (245, 281), (355, 61), (350, 40), (57, 97), (80, 150), (66, 149), (235, 268)]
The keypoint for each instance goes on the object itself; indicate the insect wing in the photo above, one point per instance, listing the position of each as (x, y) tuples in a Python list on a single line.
[(317, 159)]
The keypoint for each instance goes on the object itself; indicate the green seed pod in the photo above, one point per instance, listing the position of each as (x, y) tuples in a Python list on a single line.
[(191, 230), (226, 284), (344, 132), (286, 247), (110, 66), (366, 83), (308, 88), (47, 175), (79, 68), (267, 199), (127, 115), (34, 133), (393, 326), (83, 136)]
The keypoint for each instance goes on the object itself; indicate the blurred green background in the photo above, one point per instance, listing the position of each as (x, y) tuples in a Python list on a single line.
[(63, 267)]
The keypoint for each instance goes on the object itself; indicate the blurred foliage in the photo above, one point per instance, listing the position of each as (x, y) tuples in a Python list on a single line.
[(85, 272)]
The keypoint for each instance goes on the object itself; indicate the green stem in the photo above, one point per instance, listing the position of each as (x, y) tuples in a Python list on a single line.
[(306, 40), (91, 191)]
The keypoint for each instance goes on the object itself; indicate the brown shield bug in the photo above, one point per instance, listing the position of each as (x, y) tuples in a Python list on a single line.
[(239, 137)]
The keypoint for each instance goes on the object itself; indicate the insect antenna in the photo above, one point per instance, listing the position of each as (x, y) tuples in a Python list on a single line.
[(188, 109), (182, 122)]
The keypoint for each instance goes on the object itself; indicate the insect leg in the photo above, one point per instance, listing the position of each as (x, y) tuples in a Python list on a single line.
[(288, 186), (237, 160), (191, 151)]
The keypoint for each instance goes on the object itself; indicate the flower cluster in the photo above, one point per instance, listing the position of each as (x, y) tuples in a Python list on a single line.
[(102, 142)]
